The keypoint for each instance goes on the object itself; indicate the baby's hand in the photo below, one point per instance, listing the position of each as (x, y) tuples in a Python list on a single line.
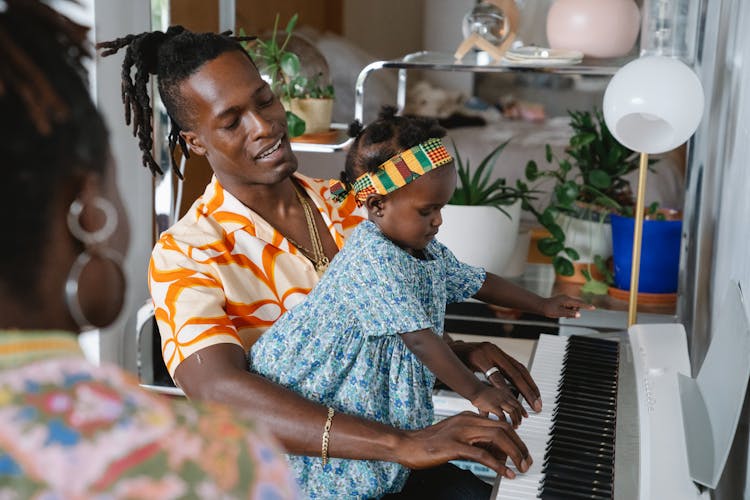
[(499, 401), (562, 306)]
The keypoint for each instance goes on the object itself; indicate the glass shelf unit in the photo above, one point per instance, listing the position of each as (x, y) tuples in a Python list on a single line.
[(477, 62)]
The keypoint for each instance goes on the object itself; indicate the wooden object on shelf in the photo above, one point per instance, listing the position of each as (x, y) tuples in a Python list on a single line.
[(256, 16), (329, 137), (510, 11)]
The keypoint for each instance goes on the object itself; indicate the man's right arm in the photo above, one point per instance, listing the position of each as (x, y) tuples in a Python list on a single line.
[(219, 373)]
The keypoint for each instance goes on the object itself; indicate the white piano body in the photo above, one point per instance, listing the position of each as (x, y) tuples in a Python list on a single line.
[(673, 432)]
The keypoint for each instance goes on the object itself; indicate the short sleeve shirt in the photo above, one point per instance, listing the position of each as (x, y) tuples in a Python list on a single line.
[(342, 347), (222, 274), (69, 429)]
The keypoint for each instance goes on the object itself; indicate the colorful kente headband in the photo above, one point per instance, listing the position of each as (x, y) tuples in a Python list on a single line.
[(396, 172)]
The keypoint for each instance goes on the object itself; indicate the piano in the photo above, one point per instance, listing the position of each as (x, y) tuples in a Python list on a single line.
[(623, 418)]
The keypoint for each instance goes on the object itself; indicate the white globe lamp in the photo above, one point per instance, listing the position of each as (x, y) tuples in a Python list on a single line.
[(652, 105)]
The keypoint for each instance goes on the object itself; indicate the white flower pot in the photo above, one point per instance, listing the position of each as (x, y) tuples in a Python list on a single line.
[(588, 238), (316, 113), (480, 235)]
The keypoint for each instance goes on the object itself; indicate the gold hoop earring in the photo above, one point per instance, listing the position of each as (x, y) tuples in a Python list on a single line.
[(92, 242)]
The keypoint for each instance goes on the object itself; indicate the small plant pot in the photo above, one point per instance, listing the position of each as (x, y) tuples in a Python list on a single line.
[(660, 254), (646, 299), (481, 235), (315, 112), (578, 277)]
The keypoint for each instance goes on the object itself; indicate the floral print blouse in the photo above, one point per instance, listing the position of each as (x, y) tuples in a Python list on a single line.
[(342, 347), (72, 430)]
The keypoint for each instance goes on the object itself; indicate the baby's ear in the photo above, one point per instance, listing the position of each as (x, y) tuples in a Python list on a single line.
[(375, 204)]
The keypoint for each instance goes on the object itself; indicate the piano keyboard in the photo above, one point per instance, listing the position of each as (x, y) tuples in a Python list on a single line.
[(572, 440)]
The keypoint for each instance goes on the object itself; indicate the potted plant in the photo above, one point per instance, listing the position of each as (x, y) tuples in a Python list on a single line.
[(660, 250), (480, 222), (303, 90), (589, 184)]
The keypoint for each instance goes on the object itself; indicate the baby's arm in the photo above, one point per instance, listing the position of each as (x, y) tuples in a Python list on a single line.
[(502, 292), (440, 359)]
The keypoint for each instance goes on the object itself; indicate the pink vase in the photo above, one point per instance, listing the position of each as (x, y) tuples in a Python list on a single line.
[(598, 28)]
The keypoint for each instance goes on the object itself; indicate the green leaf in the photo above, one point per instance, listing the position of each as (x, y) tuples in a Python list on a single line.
[(532, 171), (556, 232), (566, 193), (295, 124), (563, 266), (289, 64), (572, 253), (292, 22), (600, 179), (548, 153), (549, 246), (595, 287)]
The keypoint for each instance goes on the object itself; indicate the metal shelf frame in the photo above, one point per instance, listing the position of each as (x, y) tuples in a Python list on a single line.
[(437, 61)]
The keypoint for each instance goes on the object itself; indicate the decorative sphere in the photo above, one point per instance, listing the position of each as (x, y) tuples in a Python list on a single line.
[(487, 21), (598, 28), (653, 104)]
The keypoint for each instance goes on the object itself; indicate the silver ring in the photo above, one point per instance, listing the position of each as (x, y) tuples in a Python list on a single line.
[(492, 370)]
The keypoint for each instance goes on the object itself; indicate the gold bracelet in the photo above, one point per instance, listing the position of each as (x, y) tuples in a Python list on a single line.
[(326, 432)]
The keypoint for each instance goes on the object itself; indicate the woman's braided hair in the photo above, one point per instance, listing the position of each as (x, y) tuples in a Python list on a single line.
[(51, 131), (387, 136), (172, 56)]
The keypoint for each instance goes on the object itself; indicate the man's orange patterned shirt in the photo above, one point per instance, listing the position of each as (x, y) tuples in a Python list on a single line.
[(222, 274)]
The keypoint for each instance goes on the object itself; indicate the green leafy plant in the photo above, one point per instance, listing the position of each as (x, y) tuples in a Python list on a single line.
[(589, 183), (284, 69), (475, 188)]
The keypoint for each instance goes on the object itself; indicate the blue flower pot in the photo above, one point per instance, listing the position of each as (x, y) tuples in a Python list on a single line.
[(660, 254)]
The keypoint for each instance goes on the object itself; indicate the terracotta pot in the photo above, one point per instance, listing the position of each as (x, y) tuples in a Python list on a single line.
[(598, 28), (316, 113)]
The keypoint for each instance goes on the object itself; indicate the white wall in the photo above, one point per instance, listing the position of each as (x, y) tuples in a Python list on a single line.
[(442, 33), (114, 19), (384, 28)]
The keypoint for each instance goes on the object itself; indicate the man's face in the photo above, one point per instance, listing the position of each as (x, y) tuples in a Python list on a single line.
[(237, 123)]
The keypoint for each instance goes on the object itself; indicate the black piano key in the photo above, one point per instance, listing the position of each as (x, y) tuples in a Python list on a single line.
[(579, 453), (575, 413), (592, 354), (607, 399), (575, 460), (592, 358), (605, 412), (581, 474), (571, 442), (582, 430), (571, 483), (587, 382), (603, 344), (580, 491), (577, 419), (554, 493), (585, 398)]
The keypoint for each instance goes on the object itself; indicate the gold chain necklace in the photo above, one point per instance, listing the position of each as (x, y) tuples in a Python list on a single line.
[(317, 256)]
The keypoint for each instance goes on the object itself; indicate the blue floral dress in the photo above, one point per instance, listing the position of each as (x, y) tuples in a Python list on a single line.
[(341, 347)]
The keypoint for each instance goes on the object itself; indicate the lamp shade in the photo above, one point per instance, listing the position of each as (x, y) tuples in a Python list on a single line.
[(653, 104)]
